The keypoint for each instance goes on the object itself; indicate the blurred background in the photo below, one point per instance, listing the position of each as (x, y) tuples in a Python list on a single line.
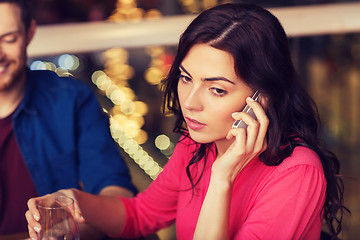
[(123, 48)]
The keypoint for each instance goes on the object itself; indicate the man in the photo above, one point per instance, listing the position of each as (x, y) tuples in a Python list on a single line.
[(53, 134)]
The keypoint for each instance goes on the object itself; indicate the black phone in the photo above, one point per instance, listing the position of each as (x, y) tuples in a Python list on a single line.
[(248, 110)]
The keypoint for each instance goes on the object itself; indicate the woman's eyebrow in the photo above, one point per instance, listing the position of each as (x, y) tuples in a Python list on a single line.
[(207, 79), (218, 79), (184, 70)]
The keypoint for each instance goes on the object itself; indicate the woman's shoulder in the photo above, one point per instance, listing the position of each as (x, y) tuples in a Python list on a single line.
[(183, 152), (301, 156)]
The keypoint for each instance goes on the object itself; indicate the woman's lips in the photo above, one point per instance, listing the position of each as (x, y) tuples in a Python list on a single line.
[(193, 124)]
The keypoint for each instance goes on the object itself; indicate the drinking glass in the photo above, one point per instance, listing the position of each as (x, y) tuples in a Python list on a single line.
[(56, 218)]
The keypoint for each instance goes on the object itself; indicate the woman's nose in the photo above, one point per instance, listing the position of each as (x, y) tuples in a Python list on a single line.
[(193, 100)]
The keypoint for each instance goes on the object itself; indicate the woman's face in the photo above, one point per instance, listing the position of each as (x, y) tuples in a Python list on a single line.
[(209, 92)]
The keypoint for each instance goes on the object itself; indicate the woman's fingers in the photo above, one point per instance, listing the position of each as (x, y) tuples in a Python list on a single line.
[(257, 128), (32, 233), (32, 217), (33, 225), (248, 143)]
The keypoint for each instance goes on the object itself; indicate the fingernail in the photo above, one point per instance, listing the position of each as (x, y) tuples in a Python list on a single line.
[(36, 217), (249, 99), (234, 113), (37, 229), (33, 239)]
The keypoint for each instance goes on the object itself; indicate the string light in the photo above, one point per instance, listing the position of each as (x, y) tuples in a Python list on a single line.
[(126, 117), (195, 6), (134, 150), (125, 129)]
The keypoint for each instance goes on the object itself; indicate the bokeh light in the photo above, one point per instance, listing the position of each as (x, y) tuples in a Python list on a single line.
[(69, 62)]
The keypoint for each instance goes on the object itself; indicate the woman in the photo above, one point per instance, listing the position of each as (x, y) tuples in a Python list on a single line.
[(271, 180)]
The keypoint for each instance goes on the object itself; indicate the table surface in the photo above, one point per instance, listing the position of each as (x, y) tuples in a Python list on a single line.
[(17, 236), (25, 236)]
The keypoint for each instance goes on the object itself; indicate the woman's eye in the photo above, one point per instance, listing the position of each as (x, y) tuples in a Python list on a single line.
[(218, 91), (184, 79)]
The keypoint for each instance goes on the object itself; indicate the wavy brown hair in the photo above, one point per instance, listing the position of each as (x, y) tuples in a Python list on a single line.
[(259, 46)]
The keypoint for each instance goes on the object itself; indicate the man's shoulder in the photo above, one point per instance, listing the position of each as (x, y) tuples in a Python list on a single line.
[(49, 80)]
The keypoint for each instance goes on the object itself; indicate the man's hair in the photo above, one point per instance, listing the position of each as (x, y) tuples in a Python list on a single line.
[(25, 9)]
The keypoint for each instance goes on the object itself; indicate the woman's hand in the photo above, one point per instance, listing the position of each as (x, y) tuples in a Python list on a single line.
[(248, 144), (33, 215), (213, 221)]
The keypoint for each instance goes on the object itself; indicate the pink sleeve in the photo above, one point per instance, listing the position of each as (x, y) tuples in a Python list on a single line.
[(288, 207), (156, 207)]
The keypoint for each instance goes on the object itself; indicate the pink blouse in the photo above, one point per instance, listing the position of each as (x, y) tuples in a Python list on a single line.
[(278, 202)]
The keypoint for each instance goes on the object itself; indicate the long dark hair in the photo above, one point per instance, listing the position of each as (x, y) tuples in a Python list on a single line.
[(259, 46)]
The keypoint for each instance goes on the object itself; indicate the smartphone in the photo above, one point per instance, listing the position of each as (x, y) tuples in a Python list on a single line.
[(248, 110)]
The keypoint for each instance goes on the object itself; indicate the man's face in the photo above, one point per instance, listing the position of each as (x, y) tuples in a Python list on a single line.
[(13, 43)]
